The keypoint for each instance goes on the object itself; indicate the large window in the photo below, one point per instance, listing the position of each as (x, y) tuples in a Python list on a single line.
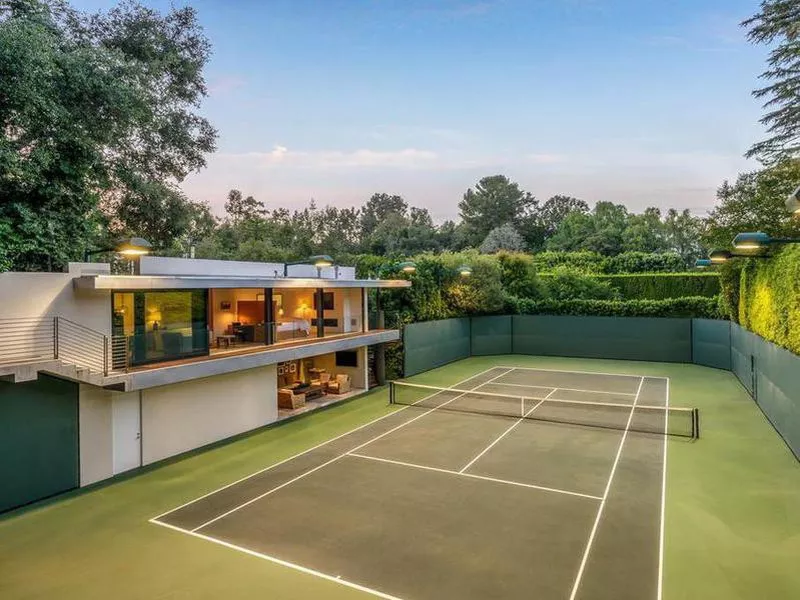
[(160, 325)]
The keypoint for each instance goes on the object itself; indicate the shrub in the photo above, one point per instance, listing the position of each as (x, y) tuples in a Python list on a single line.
[(690, 307), (565, 283), (659, 286), (730, 276), (587, 262), (518, 276), (504, 237), (643, 262), (769, 297)]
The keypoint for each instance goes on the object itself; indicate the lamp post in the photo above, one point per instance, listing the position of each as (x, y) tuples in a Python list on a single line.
[(319, 261), (131, 248)]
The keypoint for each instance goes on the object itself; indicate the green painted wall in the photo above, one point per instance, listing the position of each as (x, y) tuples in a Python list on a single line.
[(711, 343), (38, 440), (435, 343), (491, 335), (629, 338)]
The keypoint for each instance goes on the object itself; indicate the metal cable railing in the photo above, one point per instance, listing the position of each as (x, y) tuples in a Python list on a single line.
[(26, 339), (81, 346)]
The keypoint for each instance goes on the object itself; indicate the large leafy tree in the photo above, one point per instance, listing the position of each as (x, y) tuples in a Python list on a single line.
[(645, 232), (240, 208), (555, 210), (504, 237), (493, 202), (92, 107), (754, 202), (378, 208), (777, 24)]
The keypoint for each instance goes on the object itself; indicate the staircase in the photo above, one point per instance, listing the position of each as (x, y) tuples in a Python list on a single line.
[(60, 347)]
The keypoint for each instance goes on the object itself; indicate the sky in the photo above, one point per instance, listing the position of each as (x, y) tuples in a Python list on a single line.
[(639, 102)]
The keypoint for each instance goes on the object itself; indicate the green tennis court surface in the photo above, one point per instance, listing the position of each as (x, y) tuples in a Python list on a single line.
[(519, 483), (732, 503)]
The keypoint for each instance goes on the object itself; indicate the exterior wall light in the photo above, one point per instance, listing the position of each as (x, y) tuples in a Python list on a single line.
[(758, 240), (702, 263), (465, 270), (128, 247), (719, 256)]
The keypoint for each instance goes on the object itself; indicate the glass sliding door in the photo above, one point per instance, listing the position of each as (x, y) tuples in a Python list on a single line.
[(163, 325)]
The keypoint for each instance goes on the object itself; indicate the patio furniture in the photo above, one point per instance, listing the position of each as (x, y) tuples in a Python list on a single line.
[(227, 339), (288, 398), (340, 385)]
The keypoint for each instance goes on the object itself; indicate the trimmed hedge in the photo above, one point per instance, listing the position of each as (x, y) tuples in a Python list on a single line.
[(655, 286), (691, 307), (769, 298), (644, 262)]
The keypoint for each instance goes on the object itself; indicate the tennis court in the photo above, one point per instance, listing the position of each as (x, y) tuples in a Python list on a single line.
[(516, 482)]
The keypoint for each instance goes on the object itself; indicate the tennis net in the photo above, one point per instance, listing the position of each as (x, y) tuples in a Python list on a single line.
[(677, 421)]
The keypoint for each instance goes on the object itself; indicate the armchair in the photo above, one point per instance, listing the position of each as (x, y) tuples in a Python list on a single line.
[(340, 385)]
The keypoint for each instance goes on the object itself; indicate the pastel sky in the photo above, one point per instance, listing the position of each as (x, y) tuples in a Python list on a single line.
[(641, 102)]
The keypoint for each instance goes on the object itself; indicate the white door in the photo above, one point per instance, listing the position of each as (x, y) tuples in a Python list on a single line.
[(127, 432)]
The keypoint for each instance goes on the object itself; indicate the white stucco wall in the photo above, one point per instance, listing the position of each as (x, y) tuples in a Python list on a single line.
[(96, 434), (162, 265), (36, 295), (184, 416)]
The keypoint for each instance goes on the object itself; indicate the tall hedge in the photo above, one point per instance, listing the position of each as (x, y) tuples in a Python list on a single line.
[(769, 297), (660, 286), (691, 307)]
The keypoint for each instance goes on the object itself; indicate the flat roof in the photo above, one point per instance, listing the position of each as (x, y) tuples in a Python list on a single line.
[(192, 282)]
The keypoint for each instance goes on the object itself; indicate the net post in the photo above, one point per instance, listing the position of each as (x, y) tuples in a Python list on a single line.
[(696, 423), (391, 392)]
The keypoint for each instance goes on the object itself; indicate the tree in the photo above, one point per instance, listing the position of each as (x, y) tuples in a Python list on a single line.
[(572, 232), (645, 232), (755, 202), (92, 107), (504, 237), (378, 208), (683, 235), (495, 201), (241, 209), (162, 215), (555, 210), (777, 26)]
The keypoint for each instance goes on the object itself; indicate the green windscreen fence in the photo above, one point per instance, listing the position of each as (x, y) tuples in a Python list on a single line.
[(492, 335), (711, 343), (772, 376), (435, 343), (38, 440), (629, 338)]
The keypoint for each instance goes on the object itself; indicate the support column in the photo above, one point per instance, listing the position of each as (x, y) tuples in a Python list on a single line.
[(269, 318), (380, 349), (320, 314)]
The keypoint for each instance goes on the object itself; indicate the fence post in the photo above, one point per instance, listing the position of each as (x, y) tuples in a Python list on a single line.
[(55, 338), (105, 355)]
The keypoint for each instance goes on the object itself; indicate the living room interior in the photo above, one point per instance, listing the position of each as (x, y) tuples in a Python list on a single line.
[(309, 383)]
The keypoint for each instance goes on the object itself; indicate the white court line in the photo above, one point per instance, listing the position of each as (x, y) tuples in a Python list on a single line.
[(586, 552), (473, 476), (582, 372), (299, 454), (278, 561), (663, 501), (507, 431), (325, 464), (565, 389)]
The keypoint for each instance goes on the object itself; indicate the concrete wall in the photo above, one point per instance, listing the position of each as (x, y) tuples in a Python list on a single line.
[(162, 265), (96, 434), (36, 295), (184, 416)]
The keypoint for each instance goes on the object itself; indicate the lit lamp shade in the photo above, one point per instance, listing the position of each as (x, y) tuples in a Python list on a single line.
[(752, 240), (134, 246), (465, 270), (719, 256), (407, 267), (321, 260), (702, 263)]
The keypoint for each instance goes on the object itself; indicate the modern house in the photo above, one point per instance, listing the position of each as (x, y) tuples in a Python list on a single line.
[(102, 373)]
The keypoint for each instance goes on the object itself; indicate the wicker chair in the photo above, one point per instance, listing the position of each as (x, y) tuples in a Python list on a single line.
[(340, 385)]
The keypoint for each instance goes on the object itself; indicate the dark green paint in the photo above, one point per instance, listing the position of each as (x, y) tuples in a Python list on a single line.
[(38, 440)]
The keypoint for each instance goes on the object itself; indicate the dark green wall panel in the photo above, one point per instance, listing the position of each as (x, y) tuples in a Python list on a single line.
[(491, 335), (742, 351), (38, 440), (631, 338), (711, 343), (435, 343)]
